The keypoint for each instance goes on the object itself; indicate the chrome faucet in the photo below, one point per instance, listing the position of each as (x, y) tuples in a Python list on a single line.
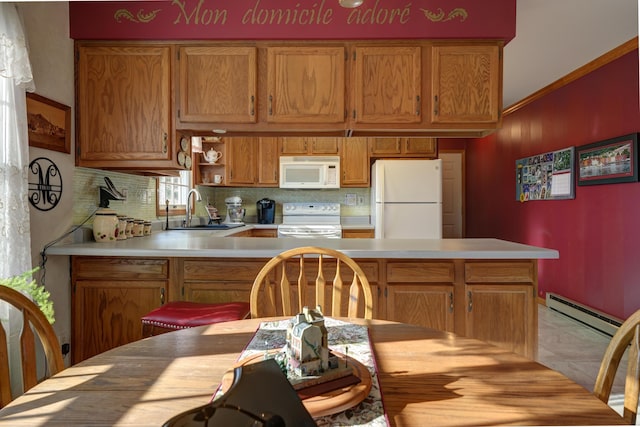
[(187, 219)]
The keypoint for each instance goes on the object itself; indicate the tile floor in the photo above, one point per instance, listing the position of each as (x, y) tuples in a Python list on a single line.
[(575, 350)]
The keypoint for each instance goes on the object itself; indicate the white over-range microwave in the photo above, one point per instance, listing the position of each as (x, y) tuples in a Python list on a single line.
[(309, 172)]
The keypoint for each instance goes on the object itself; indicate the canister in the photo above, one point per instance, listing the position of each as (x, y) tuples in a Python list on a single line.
[(147, 228), (138, 228), (129, 229), (122, 227), (105, 225)]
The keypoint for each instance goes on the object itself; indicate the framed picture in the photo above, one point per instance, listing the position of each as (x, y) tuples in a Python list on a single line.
[(546, 176), (49, 123), (608, 162)]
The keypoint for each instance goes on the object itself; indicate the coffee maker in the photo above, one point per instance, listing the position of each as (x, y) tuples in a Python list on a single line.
[(266, 211), (235, 211)]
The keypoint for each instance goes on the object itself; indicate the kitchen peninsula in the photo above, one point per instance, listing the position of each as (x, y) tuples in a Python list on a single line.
[(481, 288)]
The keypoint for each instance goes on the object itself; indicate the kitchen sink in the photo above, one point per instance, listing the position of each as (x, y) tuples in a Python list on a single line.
[(208, 227)]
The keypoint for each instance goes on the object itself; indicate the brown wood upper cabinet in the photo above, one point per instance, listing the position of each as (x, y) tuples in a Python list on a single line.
[(305, 84), (403, 147), (354, 162), (309, 146), (134, 97), (242, 161), (466, 84), (268, 162), (217, 84), (387, 84), (124, 112)]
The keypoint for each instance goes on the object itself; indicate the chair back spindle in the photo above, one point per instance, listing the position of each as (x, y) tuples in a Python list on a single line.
[(293, 298)]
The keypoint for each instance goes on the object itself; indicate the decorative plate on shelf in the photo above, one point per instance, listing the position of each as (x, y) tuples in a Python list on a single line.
[(187, 162), (184, 143), (181, 158)]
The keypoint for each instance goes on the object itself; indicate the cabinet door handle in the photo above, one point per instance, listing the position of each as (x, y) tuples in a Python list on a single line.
[(165, 148), (450, 302), (418, 105), (436, 105), (161, 296), (270, 105), (470, 303), (253, 109)]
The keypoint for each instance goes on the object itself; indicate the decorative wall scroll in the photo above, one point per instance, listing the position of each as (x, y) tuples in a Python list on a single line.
[(49, 123), (547, 176), (45, 184), (607, 162), (291, 20)]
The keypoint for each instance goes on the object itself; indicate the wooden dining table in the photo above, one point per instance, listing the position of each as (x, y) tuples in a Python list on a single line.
[(427, 378)]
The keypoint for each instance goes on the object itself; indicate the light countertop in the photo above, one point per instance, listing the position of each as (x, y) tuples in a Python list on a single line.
[(215, 243)]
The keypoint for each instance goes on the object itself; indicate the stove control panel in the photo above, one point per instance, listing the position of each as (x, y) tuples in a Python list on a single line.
[(311, 209)]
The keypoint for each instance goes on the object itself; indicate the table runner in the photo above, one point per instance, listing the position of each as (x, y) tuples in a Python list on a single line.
[(345, 338)]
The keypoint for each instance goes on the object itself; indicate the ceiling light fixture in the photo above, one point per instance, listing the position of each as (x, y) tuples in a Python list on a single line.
[(350, 3)]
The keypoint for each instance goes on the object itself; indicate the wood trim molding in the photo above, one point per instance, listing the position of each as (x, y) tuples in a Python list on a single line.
[(608, 57)]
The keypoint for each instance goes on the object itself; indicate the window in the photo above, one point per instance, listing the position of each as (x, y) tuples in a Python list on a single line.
[(173, 189)]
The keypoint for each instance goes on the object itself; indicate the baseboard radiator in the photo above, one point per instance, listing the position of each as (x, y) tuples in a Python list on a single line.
[(584, 314)]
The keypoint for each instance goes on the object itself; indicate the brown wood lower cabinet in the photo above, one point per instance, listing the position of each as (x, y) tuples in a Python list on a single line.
[(494, 301), (109, 295)]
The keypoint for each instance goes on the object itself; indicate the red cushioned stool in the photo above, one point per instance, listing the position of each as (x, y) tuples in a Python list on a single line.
[(182, 314)]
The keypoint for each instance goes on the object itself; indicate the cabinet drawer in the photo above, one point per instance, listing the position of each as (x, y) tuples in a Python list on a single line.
[(120, 268), (358, 234), (217, 292), (420, 272), (500, 272), (264, 232), (222, 270)]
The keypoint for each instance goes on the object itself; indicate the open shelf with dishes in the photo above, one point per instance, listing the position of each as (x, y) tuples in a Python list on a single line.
[(211, 165)]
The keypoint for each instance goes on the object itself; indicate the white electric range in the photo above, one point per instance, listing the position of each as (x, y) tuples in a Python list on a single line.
[(309, 220)]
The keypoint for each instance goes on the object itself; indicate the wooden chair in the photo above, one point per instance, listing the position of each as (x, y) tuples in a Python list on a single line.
[(627, 337), (337, 299), (31, 315)]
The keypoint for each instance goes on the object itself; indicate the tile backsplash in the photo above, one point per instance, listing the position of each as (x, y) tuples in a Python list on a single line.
[(141, 197)]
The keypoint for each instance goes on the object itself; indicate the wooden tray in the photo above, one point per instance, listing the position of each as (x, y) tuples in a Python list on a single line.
[(327, 402)]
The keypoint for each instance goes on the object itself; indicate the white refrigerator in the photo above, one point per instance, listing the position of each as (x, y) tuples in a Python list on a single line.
[(406, 199)]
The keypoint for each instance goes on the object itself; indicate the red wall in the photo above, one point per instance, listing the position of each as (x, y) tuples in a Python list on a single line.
[(598, 232)]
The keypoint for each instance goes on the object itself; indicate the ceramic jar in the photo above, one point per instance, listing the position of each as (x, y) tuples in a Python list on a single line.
[(138, 228), (147, 228), (105, 225), (122, 227), (129, 229)]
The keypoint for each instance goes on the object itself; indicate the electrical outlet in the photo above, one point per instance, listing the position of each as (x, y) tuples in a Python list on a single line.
[(65, 347), (360, 200)]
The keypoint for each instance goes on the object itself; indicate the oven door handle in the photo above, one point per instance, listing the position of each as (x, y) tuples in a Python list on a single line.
[(315, 233), (287, 233)]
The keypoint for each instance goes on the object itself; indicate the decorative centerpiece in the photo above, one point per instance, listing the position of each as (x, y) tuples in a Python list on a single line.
[(327, 361), (306, 358)]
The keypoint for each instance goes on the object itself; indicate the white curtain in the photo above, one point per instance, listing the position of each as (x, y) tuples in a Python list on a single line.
[(15, 80), (15, 234)]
